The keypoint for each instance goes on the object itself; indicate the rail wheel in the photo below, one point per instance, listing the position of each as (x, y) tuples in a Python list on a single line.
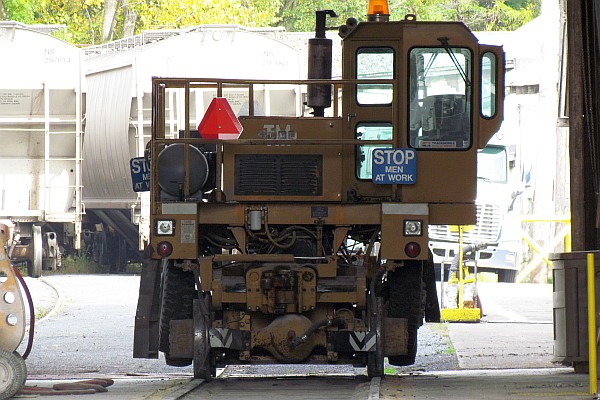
[(13, 373), (406, 300), (178, 292), (34, 265), (375, 358), (204, 367)]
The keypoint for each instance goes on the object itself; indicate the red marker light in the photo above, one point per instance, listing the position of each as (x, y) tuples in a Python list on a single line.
[(412, 249), (164, 249)]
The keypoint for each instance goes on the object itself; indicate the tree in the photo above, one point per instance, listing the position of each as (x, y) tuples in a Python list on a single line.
[(97, 21), (299, 15), (2, 11)]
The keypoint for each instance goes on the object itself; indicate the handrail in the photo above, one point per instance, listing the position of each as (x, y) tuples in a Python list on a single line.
[(563, 234)]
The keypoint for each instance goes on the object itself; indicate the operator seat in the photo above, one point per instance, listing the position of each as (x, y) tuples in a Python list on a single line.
[(445, 118)]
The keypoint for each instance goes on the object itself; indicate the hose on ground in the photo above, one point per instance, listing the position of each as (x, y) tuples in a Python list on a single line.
[(31, 313)]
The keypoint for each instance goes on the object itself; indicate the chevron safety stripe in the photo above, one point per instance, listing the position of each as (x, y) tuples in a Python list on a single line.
[(350, 342), (226, 338)]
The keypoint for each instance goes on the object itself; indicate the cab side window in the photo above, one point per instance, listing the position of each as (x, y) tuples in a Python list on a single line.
[(364, 153), (374, 63)]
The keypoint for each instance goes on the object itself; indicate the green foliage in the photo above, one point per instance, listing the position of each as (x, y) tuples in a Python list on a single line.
[(390, 371), (79, 265), (84, 18), (478, 15), (299, 15)]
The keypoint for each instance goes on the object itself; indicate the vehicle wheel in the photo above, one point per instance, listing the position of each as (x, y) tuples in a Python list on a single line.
[(34, 265), (375, 359), (13, 373), (178, 293), (507, 275), (204, 367), (406, 300)]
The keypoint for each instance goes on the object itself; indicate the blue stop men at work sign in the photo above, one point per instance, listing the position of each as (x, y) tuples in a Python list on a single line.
[(140, 174), (394, 166)]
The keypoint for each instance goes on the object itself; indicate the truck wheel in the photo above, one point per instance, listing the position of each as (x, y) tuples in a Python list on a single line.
[(13, 373), (405, 300), (178, 293), (507, 275)]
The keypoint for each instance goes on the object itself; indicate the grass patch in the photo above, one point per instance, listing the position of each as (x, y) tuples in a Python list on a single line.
[(390, 371), (79, 265), (133, 268), (40, 313)]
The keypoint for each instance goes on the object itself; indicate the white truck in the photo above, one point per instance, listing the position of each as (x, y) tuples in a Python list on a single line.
[(498, 188)]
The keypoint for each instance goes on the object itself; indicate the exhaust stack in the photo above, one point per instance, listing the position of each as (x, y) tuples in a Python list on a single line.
[(319, 65)]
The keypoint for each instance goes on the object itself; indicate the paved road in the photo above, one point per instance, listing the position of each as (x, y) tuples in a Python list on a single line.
[(516, 331), (92, 332)]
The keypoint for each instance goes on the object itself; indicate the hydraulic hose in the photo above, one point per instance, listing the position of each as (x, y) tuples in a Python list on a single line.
[(465, 250), (298, 340), (31, 313)]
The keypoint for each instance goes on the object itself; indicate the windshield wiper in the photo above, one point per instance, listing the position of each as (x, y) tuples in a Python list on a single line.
[(461, 71)]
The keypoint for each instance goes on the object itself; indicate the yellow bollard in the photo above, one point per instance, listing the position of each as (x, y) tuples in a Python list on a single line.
[(591, 291)]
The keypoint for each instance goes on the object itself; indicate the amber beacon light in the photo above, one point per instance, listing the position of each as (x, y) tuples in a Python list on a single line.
[(378, 11)]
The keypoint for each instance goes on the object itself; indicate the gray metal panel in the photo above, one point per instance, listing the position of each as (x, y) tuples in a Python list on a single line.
[(106, 153)]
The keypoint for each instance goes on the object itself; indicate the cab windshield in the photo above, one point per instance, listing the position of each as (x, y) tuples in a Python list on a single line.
[(440, 98)]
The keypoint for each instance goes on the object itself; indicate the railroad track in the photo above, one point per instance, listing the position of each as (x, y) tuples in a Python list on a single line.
[(289, 388)]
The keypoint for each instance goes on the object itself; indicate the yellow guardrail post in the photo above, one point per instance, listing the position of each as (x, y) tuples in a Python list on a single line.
[(591, 292), (460, 267)]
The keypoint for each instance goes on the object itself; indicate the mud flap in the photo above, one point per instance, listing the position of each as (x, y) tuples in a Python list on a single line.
[(432, 305), (145, 339)]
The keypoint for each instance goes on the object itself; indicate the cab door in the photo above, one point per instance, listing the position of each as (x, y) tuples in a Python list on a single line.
[(370, 112)]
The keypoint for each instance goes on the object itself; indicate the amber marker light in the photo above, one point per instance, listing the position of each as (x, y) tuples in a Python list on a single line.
[(378, 11)]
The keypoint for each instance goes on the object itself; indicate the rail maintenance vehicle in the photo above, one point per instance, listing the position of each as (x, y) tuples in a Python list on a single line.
[(303, 237)]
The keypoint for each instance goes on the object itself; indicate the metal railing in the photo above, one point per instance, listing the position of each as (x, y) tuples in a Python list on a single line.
[(542, 251)]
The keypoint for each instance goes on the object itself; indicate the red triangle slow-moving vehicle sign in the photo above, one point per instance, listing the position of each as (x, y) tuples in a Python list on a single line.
[(220, 121)]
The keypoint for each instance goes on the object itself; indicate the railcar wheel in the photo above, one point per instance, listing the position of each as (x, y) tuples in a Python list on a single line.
[(375, 358), (34, 265), (13, 373)]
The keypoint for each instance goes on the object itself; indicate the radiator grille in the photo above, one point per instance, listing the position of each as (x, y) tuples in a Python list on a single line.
[(278, 175), (487, 229)]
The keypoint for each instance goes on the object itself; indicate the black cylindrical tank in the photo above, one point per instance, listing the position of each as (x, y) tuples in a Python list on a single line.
[(171, 170)]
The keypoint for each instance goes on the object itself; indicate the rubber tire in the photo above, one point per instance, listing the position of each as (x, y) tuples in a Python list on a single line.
[(507, 275), (406, 300), (178, 292), (13, 373)]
